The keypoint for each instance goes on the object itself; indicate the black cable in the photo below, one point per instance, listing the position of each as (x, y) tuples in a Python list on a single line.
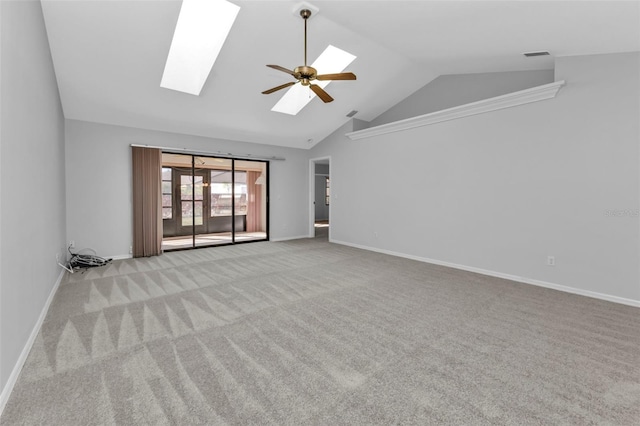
[(83, 261)]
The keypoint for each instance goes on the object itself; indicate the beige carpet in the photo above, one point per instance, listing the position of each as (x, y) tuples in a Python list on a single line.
[(307, 332)]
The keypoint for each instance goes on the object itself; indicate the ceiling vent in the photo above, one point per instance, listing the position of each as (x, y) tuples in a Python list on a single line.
[(539, 53), (352, 113)]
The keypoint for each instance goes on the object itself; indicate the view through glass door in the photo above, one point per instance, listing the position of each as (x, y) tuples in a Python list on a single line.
[(191, 208), (211, 201)]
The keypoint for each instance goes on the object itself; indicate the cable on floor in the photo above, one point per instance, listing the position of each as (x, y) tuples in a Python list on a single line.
[(84, 259)]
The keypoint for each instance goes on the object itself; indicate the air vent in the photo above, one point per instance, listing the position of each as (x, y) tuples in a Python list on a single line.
[(352, 113), (532, 54)]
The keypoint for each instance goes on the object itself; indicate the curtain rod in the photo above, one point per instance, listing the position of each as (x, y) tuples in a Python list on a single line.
[(215, 154)]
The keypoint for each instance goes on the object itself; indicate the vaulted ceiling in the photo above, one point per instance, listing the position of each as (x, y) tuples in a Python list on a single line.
[(109, 56)]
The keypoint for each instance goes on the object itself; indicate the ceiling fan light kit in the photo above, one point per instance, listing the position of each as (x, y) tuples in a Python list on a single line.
[(305, 74)]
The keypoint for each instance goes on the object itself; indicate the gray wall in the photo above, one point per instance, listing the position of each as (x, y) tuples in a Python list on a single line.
[(503, 190), (98, 171), (322, 169), (448, 91), (32, 213)]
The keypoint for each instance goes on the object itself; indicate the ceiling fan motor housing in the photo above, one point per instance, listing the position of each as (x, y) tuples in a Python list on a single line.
[(305, 73)]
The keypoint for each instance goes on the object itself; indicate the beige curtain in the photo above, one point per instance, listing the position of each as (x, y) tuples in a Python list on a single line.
[(254, 203), (147, 201)]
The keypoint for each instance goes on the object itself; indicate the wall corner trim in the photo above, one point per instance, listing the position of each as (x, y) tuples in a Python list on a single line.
[(533, 94), (15, 373)]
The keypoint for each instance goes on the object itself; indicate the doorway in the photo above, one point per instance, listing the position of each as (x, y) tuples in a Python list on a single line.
[(320, 197), (210, 201)]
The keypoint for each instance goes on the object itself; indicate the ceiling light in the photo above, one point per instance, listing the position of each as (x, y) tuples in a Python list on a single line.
[(202, 28), (332, 60)]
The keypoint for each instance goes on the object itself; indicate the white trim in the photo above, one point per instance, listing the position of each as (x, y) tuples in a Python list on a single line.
[(533, 94), (524, 280), (13, 378), (120, 257), (299, 237)]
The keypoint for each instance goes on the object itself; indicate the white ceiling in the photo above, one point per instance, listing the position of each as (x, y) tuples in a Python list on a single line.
[(109, 56)]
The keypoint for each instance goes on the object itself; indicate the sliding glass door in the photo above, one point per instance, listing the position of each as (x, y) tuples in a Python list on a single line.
[(212, 201), (252, 202)]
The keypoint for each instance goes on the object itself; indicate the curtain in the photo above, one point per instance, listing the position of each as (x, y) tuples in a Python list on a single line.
[(254, 203), (147, 201)]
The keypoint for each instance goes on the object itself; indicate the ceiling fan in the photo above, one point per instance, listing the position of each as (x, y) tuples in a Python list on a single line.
[(306, 74)]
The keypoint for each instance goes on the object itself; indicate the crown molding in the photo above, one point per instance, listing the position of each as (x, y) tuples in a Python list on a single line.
[(533, 94)]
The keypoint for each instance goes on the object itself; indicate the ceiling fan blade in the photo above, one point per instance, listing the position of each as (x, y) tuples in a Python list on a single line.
[(283, 69), (275, 89), (321, 93), (339, 76)]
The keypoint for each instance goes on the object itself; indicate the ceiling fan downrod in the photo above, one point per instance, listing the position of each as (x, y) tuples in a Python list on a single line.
[(305, 13)]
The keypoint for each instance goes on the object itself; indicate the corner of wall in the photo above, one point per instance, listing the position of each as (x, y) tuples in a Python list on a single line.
[(31, 90)]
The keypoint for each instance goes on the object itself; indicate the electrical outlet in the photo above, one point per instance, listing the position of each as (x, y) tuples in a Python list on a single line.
[(551, 261), (375, 234), (72, 244), (130, 249), (57, 257)]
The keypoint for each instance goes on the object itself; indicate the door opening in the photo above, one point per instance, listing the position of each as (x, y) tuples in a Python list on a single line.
[(321, 197), (210, 201)]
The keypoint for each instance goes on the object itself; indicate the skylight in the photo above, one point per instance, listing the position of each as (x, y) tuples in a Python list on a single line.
[(332, 60), (202, 28)]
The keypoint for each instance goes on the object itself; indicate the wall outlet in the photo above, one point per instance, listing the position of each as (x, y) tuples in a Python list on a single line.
[(375, 234), (72, 244), (57, 257), (130, 249), (551, 261)]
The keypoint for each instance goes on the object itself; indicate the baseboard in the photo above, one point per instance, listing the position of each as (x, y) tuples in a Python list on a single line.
[(289, 238), (13, 378), (120, 257), (524, 280)]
